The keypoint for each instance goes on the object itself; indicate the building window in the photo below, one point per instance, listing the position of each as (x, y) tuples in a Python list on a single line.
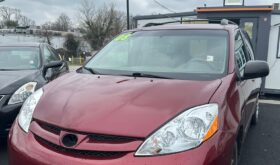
[(233, 2)]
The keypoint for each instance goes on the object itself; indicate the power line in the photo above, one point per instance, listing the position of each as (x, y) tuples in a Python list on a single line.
[(170, 17), (163, 6), (166, 8)]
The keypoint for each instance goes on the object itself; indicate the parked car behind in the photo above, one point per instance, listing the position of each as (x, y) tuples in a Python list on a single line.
[(24, 68), (162, 95)]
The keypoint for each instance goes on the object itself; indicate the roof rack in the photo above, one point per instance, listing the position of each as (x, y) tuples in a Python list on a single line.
[(221, 21)]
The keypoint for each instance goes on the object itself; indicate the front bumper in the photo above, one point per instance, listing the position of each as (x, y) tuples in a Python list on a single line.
[(8, 113), (25, 149)]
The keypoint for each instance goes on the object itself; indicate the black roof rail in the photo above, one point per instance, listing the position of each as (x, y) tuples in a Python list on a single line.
[(221, 21)]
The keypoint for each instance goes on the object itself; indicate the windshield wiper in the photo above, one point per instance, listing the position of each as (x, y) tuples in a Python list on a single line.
[(137, 74), (91, 70)]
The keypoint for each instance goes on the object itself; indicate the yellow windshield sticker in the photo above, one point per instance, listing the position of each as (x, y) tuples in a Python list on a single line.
[(123, 37)]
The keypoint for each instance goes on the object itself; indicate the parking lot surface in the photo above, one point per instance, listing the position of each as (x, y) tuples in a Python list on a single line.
[(262, 146), (3, 152)]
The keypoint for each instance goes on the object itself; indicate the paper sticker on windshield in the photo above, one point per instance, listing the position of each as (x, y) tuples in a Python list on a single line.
[(123, 37), (210, 58)]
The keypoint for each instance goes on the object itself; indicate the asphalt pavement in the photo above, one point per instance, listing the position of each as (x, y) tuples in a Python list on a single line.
[(262, 145), (3, 152)]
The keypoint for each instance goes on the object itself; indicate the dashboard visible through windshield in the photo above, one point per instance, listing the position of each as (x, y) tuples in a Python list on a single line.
[(175, 54), (19, 58)]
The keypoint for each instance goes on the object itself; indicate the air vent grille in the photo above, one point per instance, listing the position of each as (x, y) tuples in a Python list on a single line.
[(80, 153)]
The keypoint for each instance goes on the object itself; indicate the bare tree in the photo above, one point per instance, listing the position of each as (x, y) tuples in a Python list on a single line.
[(63, 23), (87, 14), (119, 23), (47, 26), (100, 25), (17, 14), (6, 13), (12, 17), (25, 21)]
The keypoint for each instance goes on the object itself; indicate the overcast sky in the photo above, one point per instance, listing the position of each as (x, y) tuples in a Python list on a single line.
[(48, 10)]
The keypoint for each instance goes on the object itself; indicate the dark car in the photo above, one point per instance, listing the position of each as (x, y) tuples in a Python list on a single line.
[(24, 67), (162, 95)]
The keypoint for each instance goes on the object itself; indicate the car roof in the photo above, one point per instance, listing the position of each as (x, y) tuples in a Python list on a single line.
[(21, 44), (229, 27)]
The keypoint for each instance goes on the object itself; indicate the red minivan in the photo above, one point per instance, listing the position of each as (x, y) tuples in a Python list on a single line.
[(162, 95)]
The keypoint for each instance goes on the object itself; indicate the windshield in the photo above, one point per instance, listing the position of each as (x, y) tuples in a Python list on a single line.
[(19, 58), (178, 54)]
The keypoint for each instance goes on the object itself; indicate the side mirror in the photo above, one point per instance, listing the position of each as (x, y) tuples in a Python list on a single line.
[(255, 69), (49, 66), (49, 75)]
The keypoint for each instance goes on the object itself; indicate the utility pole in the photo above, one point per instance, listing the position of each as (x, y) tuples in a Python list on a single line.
[(127, 9)]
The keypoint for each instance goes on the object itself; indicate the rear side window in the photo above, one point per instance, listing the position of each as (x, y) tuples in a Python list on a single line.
[(240, 51), (250, 53), (55, 53), (243, 52)]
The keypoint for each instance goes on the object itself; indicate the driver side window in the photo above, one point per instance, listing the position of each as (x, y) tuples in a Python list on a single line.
[(49, 56)]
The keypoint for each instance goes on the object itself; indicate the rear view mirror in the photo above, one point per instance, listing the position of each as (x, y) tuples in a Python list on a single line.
[(255, 69)]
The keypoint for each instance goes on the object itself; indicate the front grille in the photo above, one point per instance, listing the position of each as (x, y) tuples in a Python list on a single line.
[(81, 153), (97, 138), (112, 138), (49, 128)]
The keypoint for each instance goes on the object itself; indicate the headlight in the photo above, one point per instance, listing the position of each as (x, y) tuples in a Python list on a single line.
[(22, 93), (26, 112), (183, 133)]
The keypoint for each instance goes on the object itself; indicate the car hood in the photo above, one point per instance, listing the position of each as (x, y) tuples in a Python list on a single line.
[(116, 105), (12, 80)]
